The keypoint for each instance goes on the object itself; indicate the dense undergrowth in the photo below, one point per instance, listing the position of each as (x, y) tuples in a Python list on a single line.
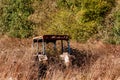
[(81, 19)]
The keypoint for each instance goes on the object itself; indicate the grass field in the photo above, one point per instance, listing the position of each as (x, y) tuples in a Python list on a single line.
[(93, 61)]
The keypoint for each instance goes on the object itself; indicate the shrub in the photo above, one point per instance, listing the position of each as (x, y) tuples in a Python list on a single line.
[(14, 18), (65, 23), (79, 18), (114, 36)]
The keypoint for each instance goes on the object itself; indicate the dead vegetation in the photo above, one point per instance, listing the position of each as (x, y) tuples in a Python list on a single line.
[(93, 61)]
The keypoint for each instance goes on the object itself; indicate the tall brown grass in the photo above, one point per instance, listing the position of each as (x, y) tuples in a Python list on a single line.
[(94, 61)]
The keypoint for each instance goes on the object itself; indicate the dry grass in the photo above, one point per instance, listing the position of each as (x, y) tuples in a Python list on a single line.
[(94, 61)]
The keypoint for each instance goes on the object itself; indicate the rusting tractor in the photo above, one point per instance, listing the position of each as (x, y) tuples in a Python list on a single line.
[(45, 39)]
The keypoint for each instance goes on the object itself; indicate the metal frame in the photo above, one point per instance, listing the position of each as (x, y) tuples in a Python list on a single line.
[(51, 38)]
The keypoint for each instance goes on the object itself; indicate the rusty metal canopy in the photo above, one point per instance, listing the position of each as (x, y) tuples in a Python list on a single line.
[(50, 38)]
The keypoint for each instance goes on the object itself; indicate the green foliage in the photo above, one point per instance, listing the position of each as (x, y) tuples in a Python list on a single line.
[(59, 24), (79, 18), (114, 36), (65, 23), (69, 4), (14, 18), (116, 29), (95, 10)]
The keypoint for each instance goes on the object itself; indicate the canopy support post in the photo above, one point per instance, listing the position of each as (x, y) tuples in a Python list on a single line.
[(37, 46), (68, 46), (43, 43), (62, 46), (55, 46)]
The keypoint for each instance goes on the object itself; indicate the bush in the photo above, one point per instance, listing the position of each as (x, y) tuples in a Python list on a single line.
[(79, 18), (65, 23), (14, 18), (114, 36)]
